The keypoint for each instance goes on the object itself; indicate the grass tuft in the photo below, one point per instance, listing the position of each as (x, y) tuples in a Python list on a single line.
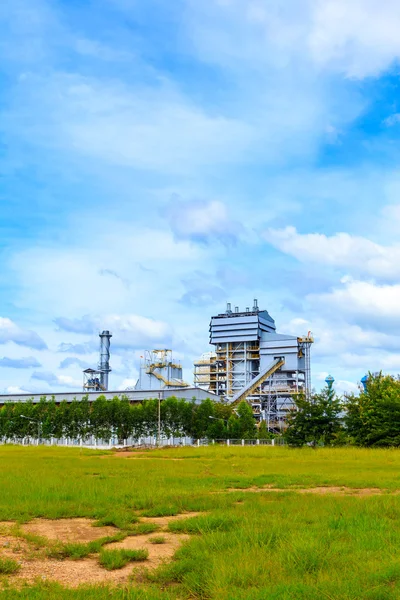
[(116, 559), (8, 566), (77, 551), (157, 540), (142, 528), (203, 524)]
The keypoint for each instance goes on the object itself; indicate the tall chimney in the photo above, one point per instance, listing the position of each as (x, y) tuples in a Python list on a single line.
[(228, 308), (104, 361), (255, 307)]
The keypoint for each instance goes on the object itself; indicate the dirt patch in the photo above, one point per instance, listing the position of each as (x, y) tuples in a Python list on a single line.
[(320, 490), (67, 530), (70, 573), (15, 548), (138, 456), (73, 573), (158, 553), (163, 521), (6, 526), (342, 491)]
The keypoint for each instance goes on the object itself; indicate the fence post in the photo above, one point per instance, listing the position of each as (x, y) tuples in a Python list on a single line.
[(213, 442), (273, 442), (227, 442), (257, 442), (198, 442), (242, 442)]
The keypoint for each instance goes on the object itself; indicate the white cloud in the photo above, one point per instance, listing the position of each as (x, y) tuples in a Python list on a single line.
[(346, 387), (363, 301), (57, 380), (69, 280), (149, 128), (128, 383), (392, 120), (135, 331), (348, 252), (14, 389), (359, 38), (19, 363), (11, 332), (202, 220)]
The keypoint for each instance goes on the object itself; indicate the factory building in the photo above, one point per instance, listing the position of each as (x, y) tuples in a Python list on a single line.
[(188, 393), (158, 371), (255, 363)]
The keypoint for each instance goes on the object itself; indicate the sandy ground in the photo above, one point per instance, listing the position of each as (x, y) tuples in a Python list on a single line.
[(341, 491), (34, 565), (68, 530)]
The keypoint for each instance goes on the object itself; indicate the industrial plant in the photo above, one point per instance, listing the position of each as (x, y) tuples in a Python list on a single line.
[(253, 362), (250, 361)]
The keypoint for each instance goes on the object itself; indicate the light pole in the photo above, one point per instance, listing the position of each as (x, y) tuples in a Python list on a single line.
[(159, 420), (39, 424)]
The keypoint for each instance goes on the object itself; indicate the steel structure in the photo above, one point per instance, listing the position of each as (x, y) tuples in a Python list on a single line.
[(255, 363), (96, 380), (158, 370)]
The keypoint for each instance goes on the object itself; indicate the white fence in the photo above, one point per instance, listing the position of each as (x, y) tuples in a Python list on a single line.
[(149, 442)]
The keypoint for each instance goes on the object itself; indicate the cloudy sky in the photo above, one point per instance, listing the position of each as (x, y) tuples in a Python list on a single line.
[(161, 158)]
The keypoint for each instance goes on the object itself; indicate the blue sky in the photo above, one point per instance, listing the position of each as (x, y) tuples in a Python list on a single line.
[(159, 159)]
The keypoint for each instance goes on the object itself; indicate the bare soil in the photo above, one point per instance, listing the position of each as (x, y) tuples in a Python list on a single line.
[(72, 573), (68, 530), (163, 521), (339, 490), (137, 455)]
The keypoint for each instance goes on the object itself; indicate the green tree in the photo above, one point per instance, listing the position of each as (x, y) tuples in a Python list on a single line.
[(247, 424), (201, 421), (263, 433), (315, 421), (373, 417)]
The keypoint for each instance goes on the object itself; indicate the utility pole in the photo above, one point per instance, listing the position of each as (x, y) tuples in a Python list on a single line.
[(159, 420)]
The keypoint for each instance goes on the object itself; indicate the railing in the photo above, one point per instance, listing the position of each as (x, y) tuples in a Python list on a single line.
[(145, 442)]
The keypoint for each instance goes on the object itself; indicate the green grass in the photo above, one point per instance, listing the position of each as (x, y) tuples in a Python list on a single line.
[(8, 566), (116, 559), (157, 540), (77, 551), (142, 528), (252, 546)]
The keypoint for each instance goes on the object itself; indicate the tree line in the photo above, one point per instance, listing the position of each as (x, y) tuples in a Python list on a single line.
[(105, 419), (369, 419)]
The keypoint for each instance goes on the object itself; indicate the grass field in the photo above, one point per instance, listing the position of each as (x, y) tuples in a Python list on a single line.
[(277, 543)]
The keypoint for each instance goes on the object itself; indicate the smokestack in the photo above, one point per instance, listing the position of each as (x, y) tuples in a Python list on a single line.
[(247, 309), (104, 361), (236, 309), (228, 308), (255, 307)]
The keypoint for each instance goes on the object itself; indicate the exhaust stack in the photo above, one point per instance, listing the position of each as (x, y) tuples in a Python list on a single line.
[(104, 361)]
